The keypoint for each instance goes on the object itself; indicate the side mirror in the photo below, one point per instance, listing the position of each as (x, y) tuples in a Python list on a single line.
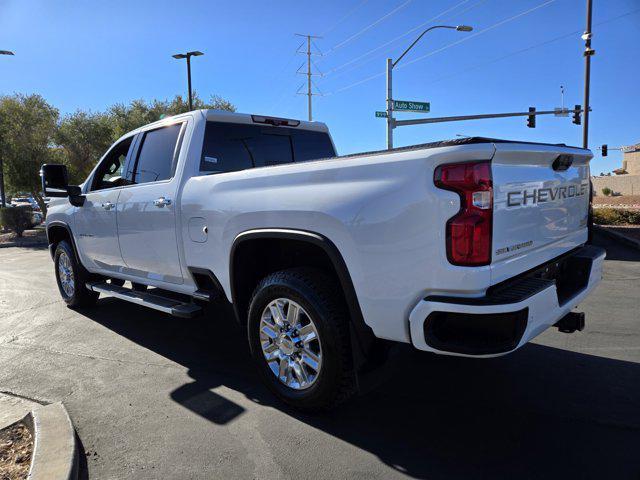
[(55, 180), (55, 183)]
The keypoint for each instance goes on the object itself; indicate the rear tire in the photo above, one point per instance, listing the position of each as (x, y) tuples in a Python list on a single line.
[(71, 277), (306, 373)]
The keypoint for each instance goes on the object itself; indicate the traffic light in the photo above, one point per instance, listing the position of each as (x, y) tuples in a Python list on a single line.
[(605, 150), (531, 119), (576, 114)]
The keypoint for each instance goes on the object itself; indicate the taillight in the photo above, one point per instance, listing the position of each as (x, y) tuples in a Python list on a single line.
[(469, 230)]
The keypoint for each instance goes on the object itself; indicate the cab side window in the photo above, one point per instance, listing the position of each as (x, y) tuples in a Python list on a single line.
[(110, 172), (157, 154)]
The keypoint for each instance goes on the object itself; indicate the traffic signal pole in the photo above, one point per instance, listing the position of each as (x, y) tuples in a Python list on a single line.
[(460, 118)]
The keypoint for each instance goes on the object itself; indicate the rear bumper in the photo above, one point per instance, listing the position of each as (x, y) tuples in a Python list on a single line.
[(511, 313)]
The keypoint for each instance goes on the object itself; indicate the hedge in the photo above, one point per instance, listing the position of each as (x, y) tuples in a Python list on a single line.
[(616, 216), (16, 219)]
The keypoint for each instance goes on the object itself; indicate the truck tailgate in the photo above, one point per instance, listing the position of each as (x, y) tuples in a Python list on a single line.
[(541, 204)]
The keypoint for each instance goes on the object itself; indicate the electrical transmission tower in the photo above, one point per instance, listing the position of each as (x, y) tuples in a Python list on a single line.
[(310, 71)]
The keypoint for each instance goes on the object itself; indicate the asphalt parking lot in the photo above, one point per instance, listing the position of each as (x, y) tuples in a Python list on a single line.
[(156, 397)]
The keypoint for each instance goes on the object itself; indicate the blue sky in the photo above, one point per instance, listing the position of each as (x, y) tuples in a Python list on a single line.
[(90, 55)]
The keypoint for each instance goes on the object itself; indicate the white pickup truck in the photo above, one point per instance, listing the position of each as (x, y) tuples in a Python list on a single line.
[(470, 247)]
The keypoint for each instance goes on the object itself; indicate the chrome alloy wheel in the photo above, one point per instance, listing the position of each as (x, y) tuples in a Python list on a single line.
[(290, 343), (65, 274)]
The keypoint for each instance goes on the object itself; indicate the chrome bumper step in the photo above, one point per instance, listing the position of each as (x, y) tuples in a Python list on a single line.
[(168, 305)]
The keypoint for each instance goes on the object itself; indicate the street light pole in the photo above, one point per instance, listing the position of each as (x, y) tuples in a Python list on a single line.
[(189, 82), (188, 56), (391, 123), (2, 197), (390, 120)]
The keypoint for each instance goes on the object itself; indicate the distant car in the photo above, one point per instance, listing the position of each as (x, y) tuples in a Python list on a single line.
[(29, 201)]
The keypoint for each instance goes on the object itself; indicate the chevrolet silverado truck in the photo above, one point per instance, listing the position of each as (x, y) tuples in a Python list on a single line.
[(469, 247)]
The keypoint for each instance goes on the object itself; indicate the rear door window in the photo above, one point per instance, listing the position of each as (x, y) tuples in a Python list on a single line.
[(157, 154), (229, 147)]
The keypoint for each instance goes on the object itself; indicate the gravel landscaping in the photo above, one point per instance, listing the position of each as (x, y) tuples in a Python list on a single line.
[(16, 447)]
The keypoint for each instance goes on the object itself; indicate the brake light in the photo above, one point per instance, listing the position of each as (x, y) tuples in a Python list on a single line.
[(469, 230), (275, 121)]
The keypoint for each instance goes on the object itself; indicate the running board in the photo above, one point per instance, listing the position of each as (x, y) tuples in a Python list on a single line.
[(157, 302)]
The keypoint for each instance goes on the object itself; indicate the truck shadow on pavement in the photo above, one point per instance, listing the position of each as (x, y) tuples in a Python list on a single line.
[(540, 412)]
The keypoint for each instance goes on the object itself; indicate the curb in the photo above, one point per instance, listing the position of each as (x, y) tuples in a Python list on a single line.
[(23, 245), (55, 453), (630, 242)]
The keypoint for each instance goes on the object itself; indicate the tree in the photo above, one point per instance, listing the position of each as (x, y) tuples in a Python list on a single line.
[(138, 113), (31, 135), (27, 126), (83, 138)]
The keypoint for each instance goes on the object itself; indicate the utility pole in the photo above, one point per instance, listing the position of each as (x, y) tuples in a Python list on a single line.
[(309, 73), (588, 52)]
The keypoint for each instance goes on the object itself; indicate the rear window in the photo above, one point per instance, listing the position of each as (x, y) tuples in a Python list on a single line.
[(229, 147)]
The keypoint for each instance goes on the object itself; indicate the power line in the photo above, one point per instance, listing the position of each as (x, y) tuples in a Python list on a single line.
[(500, 23), (368, 27), (390, 49), (532, 47), (280, 75), (344, 17), (340, 67), (469, 37)]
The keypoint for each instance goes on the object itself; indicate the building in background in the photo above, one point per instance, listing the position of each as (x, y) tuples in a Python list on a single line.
[(626, 180)]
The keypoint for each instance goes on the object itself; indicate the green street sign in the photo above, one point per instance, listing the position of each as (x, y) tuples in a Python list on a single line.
[(406, 106), (381, 114)]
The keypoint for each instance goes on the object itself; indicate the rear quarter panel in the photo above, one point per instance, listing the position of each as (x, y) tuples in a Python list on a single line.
[(382, 211)]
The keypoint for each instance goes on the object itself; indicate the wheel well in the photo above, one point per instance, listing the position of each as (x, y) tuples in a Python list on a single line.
[(57, 233), (256, 254), (254, 259)]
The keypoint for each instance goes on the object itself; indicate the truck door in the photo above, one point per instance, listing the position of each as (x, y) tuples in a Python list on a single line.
[(95, 221), (147, 209)]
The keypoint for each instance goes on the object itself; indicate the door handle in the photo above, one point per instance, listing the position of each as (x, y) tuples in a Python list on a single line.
[(108, 205), (161, 202)]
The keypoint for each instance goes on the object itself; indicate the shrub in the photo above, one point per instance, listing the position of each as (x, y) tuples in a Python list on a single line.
[(607, 191), (616, 216), (16, 219)]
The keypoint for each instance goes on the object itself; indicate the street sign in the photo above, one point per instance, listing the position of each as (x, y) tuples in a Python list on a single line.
[(381, 114), (406, 106)]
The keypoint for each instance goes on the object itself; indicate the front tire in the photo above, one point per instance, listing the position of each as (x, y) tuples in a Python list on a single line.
[(71, 278), (299, 338)]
